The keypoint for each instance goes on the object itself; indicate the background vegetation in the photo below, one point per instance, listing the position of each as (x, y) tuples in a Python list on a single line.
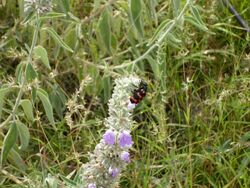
[(192, 129)]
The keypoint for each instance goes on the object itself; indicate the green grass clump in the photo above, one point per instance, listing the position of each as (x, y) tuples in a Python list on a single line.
[(193, 127)]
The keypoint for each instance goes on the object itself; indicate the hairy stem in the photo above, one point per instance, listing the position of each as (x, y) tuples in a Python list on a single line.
[(22, 87)]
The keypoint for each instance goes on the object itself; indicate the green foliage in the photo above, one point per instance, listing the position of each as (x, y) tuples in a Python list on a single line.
[(105, 29), (9, 142), (136, 14), (30, 75), (47, 105), (3, 93), (27, 108), (41, 53), (24, 135), (57, 68), (57, 39)]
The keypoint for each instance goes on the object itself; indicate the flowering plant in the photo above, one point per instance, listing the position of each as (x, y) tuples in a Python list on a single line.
[(111, 155), (39, 6)]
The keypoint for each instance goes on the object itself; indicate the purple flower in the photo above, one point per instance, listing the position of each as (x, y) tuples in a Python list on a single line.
[(113, 171), (109, 137), (125, 156), (91, 185), (125, 139)]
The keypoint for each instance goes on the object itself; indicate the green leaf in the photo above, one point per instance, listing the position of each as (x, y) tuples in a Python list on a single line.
[(106, 83), (41, 53), (68, 181), (173, 41), (5, 88), (48, 16), (58, 39), (195, 19), (28, 18), (105, 29), (3, 92), (19, 72), (64, 6), (114, 42), (70, 37), (223, 27), (44, 92), (21, 9), (161, 28), (47, 105), (155, 67), (8, 142), (30, 73), (152, 6), (73, 17), (24, 135), (173, 38), (195, 12), (136, 13), (16, 159), (52, 15), (176, 7), (27, 108), (33, 93), (58, 100), (245, 137), (196, 23)]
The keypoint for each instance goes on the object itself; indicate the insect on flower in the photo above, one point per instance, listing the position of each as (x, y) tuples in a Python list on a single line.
[(139, 93)]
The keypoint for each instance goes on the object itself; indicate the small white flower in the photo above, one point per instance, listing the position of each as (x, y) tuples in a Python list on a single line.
[(51, 181), (91, 185), (131, 106), (39, 6)]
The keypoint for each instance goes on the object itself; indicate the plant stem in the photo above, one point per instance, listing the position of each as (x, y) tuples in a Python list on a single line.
[(22, 87), (34, 40), (241, 21)]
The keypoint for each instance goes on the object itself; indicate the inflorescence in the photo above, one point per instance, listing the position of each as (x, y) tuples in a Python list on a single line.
[(111, 155), (39, 6)]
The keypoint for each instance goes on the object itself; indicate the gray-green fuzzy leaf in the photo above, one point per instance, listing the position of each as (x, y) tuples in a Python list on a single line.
[(31, 74), (27, 108), (15, 158), (41, 53), (24, 135), (57, 39), (136, 13), (3, 92), (8, 142), (47, 105), (105, 29)]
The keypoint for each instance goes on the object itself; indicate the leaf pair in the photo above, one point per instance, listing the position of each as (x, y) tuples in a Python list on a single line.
[(195, 19)]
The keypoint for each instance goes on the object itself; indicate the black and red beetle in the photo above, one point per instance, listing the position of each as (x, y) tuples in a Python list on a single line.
[(139, 93)]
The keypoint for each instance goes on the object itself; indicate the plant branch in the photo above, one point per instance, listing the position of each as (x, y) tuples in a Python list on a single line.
[(159, 41), (22, 87)]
